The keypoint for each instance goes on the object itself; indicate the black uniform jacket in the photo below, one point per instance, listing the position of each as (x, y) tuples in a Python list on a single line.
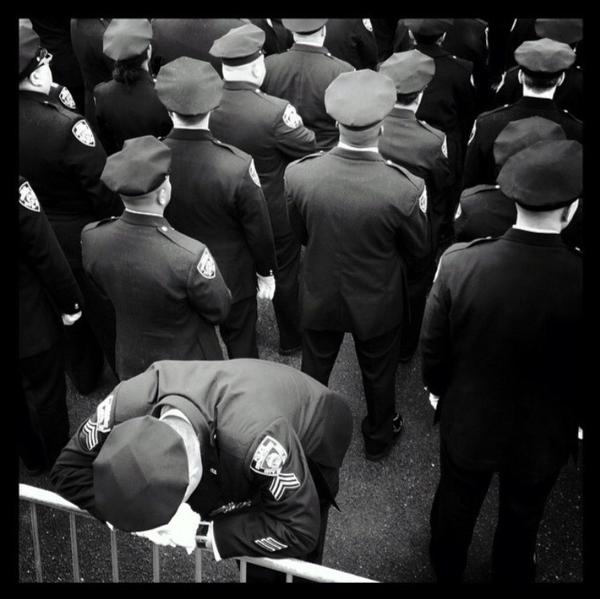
[(172, 38), (353, 41), (127, 111), (485, 211), (63, 160), (301, 75), (165, 288), (47, 286), (243, 410), (420, 148), (568, 95), (277, 37), (216, 198), (480, 166), (501, 345), (271, 131), (363, 222)]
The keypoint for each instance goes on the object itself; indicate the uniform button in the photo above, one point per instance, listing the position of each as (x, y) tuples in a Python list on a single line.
[(164, 228)]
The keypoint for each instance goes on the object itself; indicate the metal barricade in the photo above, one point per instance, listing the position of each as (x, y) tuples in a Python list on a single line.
[(290, 567)]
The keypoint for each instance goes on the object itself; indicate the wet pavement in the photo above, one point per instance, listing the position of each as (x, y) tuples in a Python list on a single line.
[(382, 531)]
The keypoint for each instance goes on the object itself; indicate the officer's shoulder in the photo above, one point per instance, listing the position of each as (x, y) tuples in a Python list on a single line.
[(338, 61), (465, 64), (99, 223), (68, 115), (243, 156), (305, 158), (436, 132), (492, 113), (473, 191), (190, 245), (571, 116), (575, 250), (469, 245), (414, 180)]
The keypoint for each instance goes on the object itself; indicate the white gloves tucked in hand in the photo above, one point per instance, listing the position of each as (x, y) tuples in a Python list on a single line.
[(266, 287)]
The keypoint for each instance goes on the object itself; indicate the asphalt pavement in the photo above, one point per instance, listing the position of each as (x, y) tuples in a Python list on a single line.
[(382, 531)]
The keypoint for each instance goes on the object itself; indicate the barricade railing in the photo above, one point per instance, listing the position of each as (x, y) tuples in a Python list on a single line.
[(289, 566)]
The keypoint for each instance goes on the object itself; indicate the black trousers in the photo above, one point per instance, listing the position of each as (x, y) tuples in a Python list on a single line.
[(378, 360), (456, 505), (43, 419), (239, 329), (285, 301)]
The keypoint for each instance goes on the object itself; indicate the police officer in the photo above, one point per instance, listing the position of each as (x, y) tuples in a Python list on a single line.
[(48, 293), (62, 160), (217, 198), (421, 149), (302, 74), (352, 40), (363, 221), (272, 132), (569, 94), (256, 451), (542, 65), (128, 106), (509, 391), (167, 291)]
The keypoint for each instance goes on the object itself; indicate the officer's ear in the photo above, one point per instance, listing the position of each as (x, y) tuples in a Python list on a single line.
[(520, 76), (149, 52), (568, 213), (561, 79)]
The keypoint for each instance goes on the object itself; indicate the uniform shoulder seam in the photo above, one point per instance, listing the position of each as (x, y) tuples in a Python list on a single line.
[(470, 191), (236, 151)]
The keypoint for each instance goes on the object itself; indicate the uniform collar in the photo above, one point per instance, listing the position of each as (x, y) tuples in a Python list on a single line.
[(403, 113), (237, 85), (531, 238), (147, 220), (37, 96), (432, 50), (190, 134), (308, 48), (352, 155), (531, 102)]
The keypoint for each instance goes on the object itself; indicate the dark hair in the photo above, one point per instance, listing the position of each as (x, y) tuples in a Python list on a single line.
[(407, 99), (426, 39), (540, 84), (130, 70)]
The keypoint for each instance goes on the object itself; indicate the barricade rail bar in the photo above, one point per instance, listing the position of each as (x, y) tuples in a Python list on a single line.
[(289, 566)]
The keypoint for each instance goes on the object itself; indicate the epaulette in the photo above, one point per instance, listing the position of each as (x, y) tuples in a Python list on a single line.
[(307, 157), (467, 65), (183, 241), (575, 250), (412, 178), (439, 134), (99, 223), (493, 111), (463, 245), (71, 115), (572, 116), (279, 102), (240, 153), (471, 191)]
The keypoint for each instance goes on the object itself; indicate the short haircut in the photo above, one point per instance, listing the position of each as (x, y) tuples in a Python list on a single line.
[(406, 99), (540, 84), (130, 70), (426, 39)]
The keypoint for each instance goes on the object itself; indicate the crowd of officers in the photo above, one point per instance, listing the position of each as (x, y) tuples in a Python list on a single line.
[(172, 169)]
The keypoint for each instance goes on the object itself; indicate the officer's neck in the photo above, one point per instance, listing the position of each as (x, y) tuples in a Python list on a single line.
[(178, 123), (545, 95), (347, 146), (149, 211)]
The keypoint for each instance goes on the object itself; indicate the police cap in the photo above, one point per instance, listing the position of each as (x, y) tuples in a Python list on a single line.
[(189, 86), (126, 38), (518, 135), (139, 168), (29, 47), (303, 25), (544, 57), (410, 71), (429, 27), (544, 176), (140, 475), (360, 99), (567, 31), (239, 45)]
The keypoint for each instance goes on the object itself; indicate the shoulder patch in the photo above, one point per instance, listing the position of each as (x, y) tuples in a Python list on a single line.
[(100, 422), (291, 118), (423, 201), (470, 191), (253, 173), (27, 197), (82, 132), (444, 148), (206, 267), (367, 24), (66, 98)]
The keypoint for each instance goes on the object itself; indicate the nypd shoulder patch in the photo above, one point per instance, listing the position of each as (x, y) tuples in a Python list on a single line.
[(423, 201), (291, 118), (206, 267), (269, 457), (367, 24), (83, 133), (445, 148), (66, 98), (253, 173), (27, 197)]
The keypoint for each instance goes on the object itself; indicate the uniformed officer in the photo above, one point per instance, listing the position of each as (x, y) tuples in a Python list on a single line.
[(128, 106), (166, 289), (272, 132), (353, 41), (363, 221), (542, 65), (421, 149), (448, 102), (62, 160), (302, 74), (87, 39), (217, 198), (502, 350), (484, 210), (569, 94), (48, 292), (255, 451)]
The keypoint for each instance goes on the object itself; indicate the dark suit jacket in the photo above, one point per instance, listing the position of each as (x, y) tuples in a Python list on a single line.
[(238, 408), (501, 345), (365, 233), (166, 292)]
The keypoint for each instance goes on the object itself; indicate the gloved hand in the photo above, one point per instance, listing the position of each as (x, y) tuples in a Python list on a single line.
[(266, 287), (69, 319), (179, 531), (433, 400)]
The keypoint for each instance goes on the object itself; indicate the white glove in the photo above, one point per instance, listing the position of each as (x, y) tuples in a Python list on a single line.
[(69, 319), (179, 531), (433, 400), (580, 434), (266, 287)]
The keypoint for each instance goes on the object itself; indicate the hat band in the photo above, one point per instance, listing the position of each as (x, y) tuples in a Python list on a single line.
[(141, 195), (361, 127), (545, 207), (542, 74), (311, 31), (240, 60)]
